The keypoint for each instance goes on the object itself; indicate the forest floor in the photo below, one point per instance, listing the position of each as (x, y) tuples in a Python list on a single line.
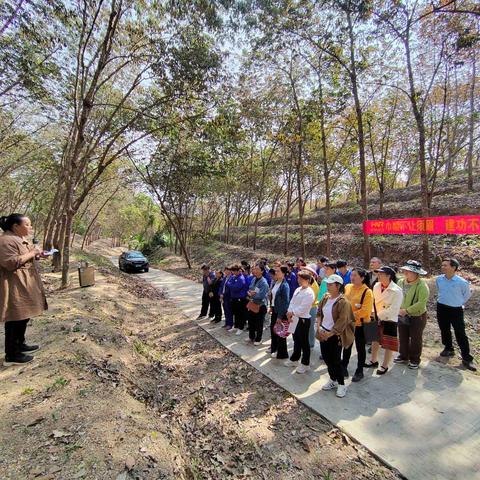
[(126, 387), (218, 255)]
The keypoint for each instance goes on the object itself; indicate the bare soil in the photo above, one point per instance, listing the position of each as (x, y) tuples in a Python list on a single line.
[(125, 387)]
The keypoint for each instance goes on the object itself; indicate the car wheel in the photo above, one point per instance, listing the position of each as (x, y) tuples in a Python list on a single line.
[(146, 270)]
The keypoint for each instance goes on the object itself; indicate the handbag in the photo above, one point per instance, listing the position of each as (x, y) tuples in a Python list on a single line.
[(370, 329), (388, 336), (281, 329), (253, 307)]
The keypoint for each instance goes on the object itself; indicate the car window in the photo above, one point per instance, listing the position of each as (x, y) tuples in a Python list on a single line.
[(135, 255)]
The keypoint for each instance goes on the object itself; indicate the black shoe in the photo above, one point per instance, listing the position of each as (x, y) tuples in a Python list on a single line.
[(19, 359), (447, 353), (357, 377), (469, 365), (345, 372), (382, 370), (399, 359), (24, 348), (371, 365)]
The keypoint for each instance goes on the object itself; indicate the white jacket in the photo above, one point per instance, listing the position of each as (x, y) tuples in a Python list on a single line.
[(388, 302), (301, 302)]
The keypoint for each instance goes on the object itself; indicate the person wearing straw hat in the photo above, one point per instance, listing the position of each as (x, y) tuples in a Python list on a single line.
[(412, 317)]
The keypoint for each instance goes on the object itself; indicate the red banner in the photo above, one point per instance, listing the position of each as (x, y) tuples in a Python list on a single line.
[(459, 225)]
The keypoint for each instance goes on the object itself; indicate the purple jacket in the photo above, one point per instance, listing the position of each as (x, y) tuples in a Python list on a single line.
[(292, 281), (237, 286)]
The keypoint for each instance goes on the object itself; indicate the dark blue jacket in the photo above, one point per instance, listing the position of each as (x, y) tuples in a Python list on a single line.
[(292, 281), (267, 276), (282, 299), (225, 288), (248, 281), (206, 286), (237, 286)]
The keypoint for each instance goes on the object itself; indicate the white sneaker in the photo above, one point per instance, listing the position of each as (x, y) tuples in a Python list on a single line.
[(257, 343), (247, 340), (289, 363), (302, 368), (330, 385), (341, 391), (232, 330), (238, 332)]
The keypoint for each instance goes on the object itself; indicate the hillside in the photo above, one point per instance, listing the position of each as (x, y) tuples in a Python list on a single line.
[(450, 198)]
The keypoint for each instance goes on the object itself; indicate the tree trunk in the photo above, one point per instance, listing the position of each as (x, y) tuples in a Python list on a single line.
[(418, 113), (326, 173), (471, 125), (361, 139)]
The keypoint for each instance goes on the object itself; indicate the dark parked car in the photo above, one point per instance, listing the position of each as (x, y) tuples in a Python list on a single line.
[(133, 261)]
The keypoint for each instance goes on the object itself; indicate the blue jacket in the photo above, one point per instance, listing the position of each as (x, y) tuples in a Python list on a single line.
[(261, 297), (346, 277), (206, 286), (225, 288), (237, 286), (248, 281), (267, 276), (291, 279), (282, 299)]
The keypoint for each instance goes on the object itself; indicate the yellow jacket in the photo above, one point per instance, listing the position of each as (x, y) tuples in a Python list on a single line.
[(354, 295), (315, 287)]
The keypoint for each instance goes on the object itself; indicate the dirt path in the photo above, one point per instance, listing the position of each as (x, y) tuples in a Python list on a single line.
[(125, 387)]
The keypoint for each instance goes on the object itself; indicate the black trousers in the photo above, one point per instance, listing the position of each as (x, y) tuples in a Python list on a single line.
[(332, 353), (14, 337), (279, 344), (361, 352), (216, 308), (301, 343), (255, 324), (239, 311), (448, 317), (206, 305)]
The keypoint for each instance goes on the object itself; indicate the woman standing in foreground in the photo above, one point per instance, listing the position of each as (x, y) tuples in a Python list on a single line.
[(335, 330), (21, 292)]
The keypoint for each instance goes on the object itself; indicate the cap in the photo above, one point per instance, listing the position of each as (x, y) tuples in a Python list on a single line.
[(386, 269), (334, 279)]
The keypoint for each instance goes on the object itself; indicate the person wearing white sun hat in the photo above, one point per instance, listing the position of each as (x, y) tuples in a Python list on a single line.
[(335, 330), (412, 317)]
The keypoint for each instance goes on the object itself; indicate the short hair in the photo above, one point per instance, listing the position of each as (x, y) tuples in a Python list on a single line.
[(290, 264), (235, 267), (376, 259), (271, 271), (283, 269), (341, 263), (245, 264), (205, 267), (453, 262), (323, 259), (332, 265)]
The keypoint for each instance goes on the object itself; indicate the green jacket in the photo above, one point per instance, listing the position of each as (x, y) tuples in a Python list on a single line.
[(418, 292)]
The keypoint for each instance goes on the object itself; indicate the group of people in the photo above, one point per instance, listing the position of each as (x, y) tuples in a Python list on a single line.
[(339, 306)]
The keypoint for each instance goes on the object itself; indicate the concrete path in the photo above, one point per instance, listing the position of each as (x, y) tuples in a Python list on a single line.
[(425, 423)]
